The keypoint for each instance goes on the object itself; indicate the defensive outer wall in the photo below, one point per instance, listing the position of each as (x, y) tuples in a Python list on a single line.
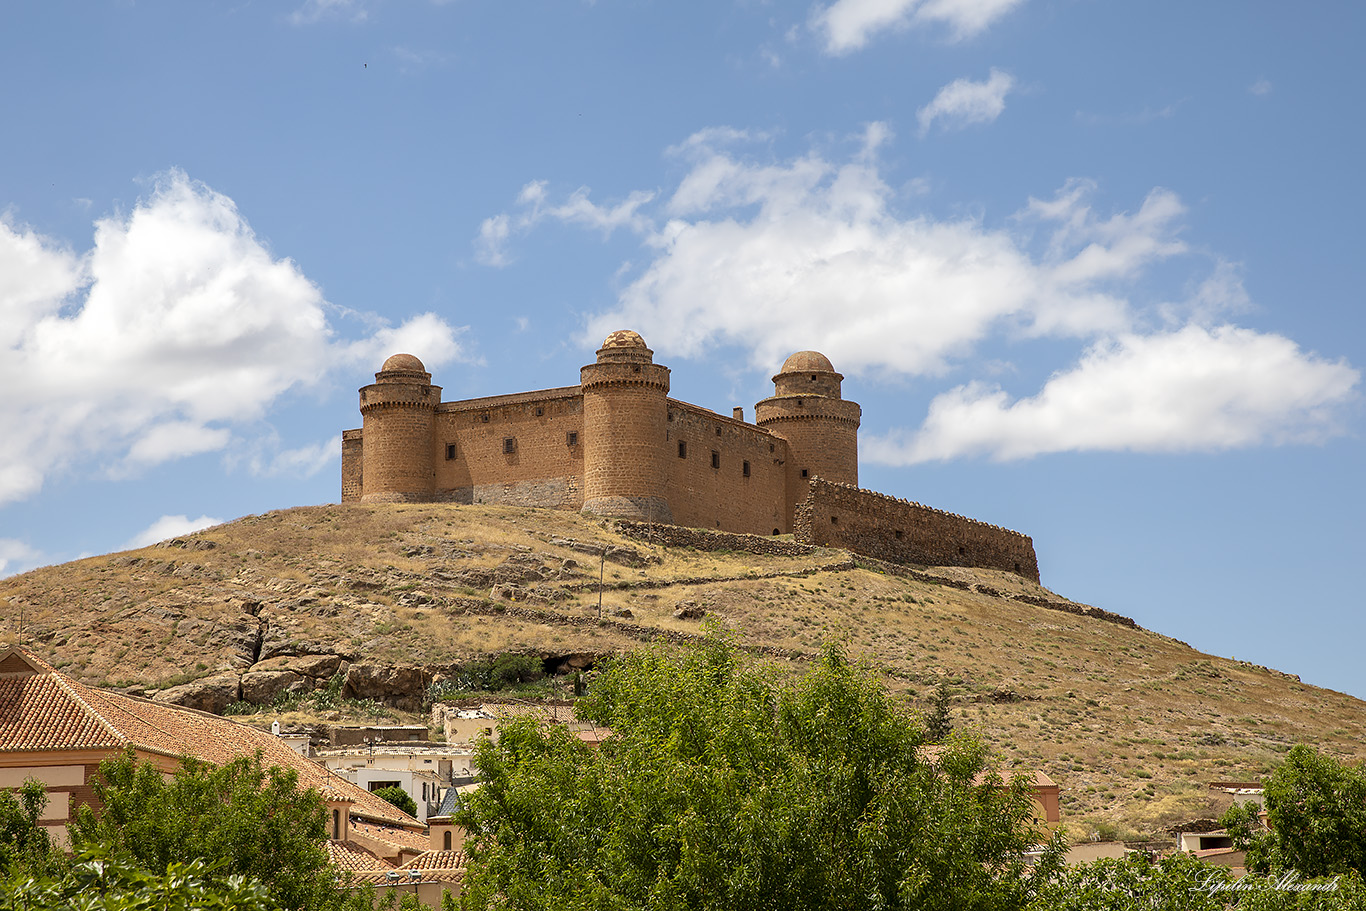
[(617, 445)]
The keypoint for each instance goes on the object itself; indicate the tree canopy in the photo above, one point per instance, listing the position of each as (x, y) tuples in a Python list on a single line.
[(727, 785), (1316, 809), (239, 818)]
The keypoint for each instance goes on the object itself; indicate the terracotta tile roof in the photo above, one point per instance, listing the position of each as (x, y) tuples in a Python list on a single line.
[(346, 856), (401, 839), (436, 860), (42, 710)]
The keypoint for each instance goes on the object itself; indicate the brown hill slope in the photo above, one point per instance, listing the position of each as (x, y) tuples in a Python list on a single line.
[(1132, 724)]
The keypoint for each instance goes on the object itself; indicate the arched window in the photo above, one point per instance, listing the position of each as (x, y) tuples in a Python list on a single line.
[(336, 824), (446, 841)]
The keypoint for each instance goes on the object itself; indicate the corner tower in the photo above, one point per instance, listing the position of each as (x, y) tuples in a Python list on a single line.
[(625, 423), (821, 429), (399, 448)]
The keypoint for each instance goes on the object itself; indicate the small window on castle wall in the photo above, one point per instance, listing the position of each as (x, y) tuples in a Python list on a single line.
[(539, 411), (744, 469), (715, 459), (671, 415), (805, 473), (682, 449), (484, 418), (962, 551), (898, 534), (509, 444), (799, 403), (813, 377), (776, 532), (770, 447), (572, 438), (834, 520), (450, 451), (718, 429), (635, 368)]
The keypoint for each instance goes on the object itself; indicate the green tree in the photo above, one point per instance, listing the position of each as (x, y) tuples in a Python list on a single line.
[(238, 817), (398, 797), (1181, 882), (1316, 808), (727, 786), (24, 843), (99, 883), (939, 723)]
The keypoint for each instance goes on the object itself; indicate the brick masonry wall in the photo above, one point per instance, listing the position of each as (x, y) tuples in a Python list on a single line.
[(899, 531), (396, 456), (352, 466), (624, 414), (544, 467), (722, 497)]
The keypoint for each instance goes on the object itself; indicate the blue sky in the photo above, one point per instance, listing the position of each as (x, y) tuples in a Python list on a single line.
[(1092, 269)]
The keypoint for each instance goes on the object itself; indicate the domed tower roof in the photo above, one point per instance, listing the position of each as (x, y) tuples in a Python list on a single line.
[(625, 345), (807, 362), (406, 363), (403, 368)]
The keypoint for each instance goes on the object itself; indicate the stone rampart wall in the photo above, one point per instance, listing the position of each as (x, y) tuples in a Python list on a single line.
[(698, 539), (352, 466), (541, 466), (707, 485), (900, 531)]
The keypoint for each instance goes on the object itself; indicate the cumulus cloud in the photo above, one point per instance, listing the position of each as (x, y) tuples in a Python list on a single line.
[(766, 255), (18, 557), (172, 336), (1194, 389), (318, 10), (1260, 87), (847, 25), (169, 527), (964, 102), (578, 209)]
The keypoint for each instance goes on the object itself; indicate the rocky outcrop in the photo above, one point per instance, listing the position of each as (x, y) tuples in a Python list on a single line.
[(211, 694), (401, 686)]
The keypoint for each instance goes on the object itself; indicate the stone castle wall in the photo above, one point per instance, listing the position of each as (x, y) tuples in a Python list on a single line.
[(522, 450), (728, 474), (900, 531)]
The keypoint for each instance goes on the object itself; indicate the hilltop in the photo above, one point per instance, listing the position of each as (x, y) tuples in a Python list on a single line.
[(383, 600)]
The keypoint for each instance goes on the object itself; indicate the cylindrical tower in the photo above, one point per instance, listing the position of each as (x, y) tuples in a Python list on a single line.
[(821, 429), (398, 446), (625, 431)]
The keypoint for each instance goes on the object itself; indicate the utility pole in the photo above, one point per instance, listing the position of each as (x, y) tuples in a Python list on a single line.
[(601, 568)]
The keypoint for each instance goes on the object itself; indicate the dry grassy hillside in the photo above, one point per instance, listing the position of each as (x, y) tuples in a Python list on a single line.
[(1132, 724)]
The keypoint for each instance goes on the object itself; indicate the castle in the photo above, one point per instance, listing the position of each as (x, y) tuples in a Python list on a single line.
[(617, 445)]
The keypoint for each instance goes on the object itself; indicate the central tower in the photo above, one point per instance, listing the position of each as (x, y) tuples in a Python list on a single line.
[(820, 427), (625, 420)]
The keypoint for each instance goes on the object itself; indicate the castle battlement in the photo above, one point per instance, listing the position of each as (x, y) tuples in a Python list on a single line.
[(617, 445)]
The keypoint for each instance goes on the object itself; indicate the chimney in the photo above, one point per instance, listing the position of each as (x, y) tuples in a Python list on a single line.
[(738, 413)]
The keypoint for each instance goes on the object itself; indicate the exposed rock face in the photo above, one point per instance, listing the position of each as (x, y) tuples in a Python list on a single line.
[(211, 694), (262, 687), (402, 686), (689, 610)]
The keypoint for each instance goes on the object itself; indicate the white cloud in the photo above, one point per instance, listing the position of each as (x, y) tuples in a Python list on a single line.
[(169, 527), (18, 557), (1260, 87), (1194, 389), (847, 25), (173, 335), (578, 209), (767, 256), (964, 102), (317, 10)]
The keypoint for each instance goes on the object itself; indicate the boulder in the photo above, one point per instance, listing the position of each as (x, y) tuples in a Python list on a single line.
[(210, 694), (262, 687), (317, 666), (401, 686)]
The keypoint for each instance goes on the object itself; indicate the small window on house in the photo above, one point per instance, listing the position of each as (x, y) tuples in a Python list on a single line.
[(744, 469), (572, 438), (484, 418), (682, 449), (539, 411), (446, 841), (450, 451), (715, 459), (509, 444), (336, 824), (805, 473)]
